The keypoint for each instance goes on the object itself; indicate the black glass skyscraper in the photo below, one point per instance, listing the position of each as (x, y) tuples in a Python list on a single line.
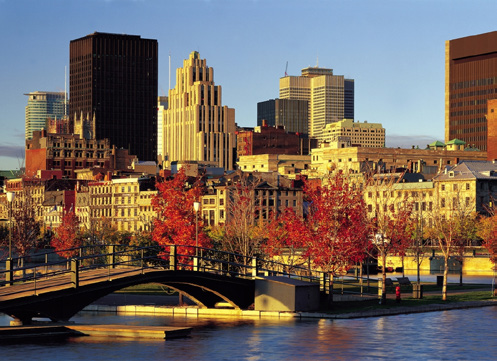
[(113, 79)]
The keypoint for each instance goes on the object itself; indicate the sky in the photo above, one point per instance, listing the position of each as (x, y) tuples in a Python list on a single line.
[(393, 49)]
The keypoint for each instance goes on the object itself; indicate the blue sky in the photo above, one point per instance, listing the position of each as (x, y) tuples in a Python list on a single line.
[(394, 49)]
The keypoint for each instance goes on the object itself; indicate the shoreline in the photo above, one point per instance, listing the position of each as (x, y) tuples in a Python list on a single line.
[(167, 308)]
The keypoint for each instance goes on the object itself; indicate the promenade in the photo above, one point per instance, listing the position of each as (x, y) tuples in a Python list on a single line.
[(122, 303)]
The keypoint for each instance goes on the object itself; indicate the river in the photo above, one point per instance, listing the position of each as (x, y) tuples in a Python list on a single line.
[(469, 334)]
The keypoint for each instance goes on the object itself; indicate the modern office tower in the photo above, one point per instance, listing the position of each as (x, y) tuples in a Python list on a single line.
[(113, 79), (42, 106), (197, 127), (492, 130), (330, 96), (371, 135), (470, 80), (161, 106), (289, 113)]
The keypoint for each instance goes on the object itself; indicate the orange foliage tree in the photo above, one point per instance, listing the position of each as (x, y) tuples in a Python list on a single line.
[(487, 231), (175, 222), (332, 233), (67, 235)]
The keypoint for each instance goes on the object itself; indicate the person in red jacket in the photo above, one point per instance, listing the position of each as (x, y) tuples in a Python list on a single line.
[(397, 294)]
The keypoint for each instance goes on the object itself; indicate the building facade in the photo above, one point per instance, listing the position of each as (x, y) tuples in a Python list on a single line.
[(326, 159), (197, 127), (492, 129), (113, 81), (470, 80), (161, 106), (365, 134), (292, 114), (330, 97), (272, 140), (43, 106)]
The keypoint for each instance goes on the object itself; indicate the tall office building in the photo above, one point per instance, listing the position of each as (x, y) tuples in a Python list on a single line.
[(113, 80), (470, 80), (330, 97), (197, 127), (289, 113), (42, 106), (161, 106)]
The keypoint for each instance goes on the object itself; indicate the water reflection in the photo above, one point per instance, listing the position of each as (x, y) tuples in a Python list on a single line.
[(458, 334)]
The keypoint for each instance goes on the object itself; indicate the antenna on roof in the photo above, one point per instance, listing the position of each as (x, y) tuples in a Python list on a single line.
[(286, 69)]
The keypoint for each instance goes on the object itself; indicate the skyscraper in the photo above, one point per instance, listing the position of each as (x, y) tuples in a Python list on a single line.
[(113, 79), (289, 113), (470, 80), (196, 126), (41, 106), (161, 106), (330, 97)]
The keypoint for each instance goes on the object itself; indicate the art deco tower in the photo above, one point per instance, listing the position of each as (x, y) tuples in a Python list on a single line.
[(113, 79), (196, 126)]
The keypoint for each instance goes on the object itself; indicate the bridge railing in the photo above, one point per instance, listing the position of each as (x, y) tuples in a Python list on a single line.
[(123, 258)]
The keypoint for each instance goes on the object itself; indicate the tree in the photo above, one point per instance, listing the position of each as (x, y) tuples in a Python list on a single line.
[(67, 235), (25, 228), (175, 222), (451, 226), (333, 232), (392, 224), (285, 237), (487, 231), (244, 227)]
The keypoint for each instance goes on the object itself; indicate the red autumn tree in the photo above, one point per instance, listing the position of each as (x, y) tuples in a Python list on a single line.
[(67, 235), (286, 238), (332, 233), (175, 222), (487, 231)]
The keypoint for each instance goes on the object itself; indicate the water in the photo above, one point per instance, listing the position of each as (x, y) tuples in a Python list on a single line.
[(457, 334)]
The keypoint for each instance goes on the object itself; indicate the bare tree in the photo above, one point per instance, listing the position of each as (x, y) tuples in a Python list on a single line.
[(453, 223), (25, 229)]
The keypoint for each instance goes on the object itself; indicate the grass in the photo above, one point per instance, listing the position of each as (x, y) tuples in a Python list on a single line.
[(372, 304), (151, 289)]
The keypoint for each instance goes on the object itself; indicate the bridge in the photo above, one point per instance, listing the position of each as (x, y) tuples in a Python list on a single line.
[(56, 288)]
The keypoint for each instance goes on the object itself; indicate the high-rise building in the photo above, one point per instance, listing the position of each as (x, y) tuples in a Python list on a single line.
[(161, 106), (330, 97), (492, 130), (42, 106), (292, 114), (113, 80), (197, 127), (470, 80)]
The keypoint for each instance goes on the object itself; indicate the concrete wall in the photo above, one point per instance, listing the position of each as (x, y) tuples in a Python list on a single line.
[(285, 294)]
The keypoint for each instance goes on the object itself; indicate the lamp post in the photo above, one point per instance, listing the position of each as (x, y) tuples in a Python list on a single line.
[(8, 265), (10, 198), (196, 207)]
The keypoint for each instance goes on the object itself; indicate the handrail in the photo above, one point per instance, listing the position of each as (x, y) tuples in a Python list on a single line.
[(150, 257)]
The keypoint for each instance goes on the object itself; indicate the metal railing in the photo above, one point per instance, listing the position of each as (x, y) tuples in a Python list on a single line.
[(119, 259)]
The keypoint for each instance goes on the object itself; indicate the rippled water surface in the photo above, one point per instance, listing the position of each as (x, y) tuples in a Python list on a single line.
[(449, 335)]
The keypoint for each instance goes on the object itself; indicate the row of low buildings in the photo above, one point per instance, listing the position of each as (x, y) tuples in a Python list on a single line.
[(127, 201)]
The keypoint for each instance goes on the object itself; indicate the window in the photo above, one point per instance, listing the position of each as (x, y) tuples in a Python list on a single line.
[(454, 187), (467, 186), (442, 203), (442, 187)]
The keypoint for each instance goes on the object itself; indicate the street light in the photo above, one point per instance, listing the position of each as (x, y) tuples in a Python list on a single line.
[(10, 198), (196, 207)]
